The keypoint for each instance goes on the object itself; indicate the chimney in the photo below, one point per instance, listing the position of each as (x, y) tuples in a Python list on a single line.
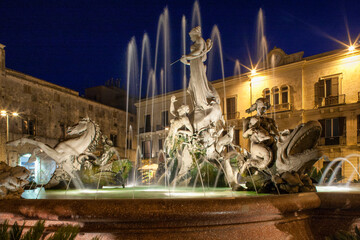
[(2, 59)]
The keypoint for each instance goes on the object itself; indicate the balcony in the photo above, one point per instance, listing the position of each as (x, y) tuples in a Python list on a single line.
[(280, 107), (331, 141), (333, 100), (159, 127), (232, 116)]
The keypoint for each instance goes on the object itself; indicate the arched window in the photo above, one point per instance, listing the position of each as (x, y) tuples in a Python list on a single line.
[(266, 94), (285, 94), (276, 95)]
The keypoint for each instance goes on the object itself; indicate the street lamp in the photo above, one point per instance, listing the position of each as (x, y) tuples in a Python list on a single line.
[(6, 114)]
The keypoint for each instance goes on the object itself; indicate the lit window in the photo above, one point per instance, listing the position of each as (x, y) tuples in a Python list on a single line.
[(327, 88)]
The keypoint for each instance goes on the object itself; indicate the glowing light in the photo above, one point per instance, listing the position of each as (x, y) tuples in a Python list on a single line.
[(253, 71), (15, 114), (167, 129), (3, 113), (351, 48)]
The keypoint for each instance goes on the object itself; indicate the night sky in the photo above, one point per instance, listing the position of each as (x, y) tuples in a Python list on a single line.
[(79, 44)]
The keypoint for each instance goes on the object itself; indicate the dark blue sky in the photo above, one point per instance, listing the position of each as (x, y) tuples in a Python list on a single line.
[(78, 44)]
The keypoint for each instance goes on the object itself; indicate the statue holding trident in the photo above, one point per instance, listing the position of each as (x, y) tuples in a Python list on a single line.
[(201, 91)]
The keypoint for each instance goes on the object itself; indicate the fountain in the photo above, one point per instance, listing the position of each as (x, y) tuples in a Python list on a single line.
[(196, 149)]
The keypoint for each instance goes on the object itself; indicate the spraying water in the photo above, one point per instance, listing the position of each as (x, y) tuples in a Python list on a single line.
[(196, 16)]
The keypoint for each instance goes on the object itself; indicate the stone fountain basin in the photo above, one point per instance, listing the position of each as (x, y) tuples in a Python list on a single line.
[(292, 216)]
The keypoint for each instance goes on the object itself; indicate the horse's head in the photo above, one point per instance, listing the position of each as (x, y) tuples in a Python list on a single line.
[(79, 128)]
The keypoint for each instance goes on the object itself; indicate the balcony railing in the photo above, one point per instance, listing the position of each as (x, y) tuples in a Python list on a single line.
[(280, 107), (232, 116), (331, 141), (160, 127), (333, 100)]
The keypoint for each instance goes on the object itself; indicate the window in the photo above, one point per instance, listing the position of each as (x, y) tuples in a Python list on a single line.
[(333, 129), (113, 138), (27, 89), (327, 91), (165, 119), (267, 94), (237, 137), (160, 144), (29, 127), (129, 143), (148, 123), (146, 148), (285, 94), (231, 108), (56, 97), (276, 95)]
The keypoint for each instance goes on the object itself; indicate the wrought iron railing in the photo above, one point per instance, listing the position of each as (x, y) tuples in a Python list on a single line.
[(232, 116), (330, 141), (333, 100)]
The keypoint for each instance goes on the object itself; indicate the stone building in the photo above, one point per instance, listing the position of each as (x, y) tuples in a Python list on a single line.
[(323, 87), (112, 94), (46, 110)]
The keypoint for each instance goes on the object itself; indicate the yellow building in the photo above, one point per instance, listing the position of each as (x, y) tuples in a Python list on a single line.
[(323, 87)]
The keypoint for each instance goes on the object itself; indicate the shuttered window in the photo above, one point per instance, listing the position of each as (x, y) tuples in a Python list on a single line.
[(230, 108)]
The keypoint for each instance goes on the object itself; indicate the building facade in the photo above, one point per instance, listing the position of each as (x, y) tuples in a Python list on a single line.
[(324, 87), (46, 110)]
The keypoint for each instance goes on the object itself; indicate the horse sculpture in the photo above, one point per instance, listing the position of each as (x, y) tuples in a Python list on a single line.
[(85, 136)]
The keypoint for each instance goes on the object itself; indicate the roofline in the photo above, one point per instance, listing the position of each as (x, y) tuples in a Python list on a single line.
[(329, 54)]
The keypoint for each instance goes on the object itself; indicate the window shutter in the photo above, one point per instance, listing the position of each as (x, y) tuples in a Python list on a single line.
[(321, 89), (322, 122), (335, 86), (342, 126), (230, 105), (316, 94)]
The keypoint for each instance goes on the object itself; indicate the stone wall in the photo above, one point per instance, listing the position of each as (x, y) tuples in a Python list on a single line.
[(53, 108)]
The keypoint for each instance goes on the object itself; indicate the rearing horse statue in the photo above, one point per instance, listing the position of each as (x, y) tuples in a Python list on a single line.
[(85, 134)]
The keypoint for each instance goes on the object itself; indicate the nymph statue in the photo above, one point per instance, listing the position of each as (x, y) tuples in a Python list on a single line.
[(202, 93)]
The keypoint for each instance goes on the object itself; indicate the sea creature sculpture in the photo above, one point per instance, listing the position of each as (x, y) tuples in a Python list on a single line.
[(71, 154), (12, 181), (279, 159)]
